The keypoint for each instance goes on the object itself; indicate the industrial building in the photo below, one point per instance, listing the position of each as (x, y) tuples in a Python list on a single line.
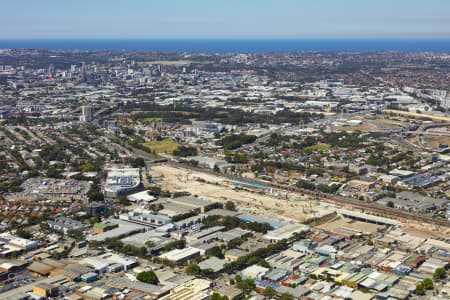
[(193, 203), (213, 263), (233, 234), (120, 232), (144, 218), (286, 232), (10, 244), (157, 238), (195, 289), (180, 255), (45, 290), (415, 202), (204, 235), (121, 180), (288, 260), (273, 222), (234, 254), (64, 224), (141, 197), (254, 272), (142, 288), (104, 226)]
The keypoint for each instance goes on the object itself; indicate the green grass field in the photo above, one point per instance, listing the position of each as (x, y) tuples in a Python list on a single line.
[(318, 147), (165, 146)]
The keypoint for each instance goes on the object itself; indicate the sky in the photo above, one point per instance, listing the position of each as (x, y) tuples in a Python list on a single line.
[(223, 19)]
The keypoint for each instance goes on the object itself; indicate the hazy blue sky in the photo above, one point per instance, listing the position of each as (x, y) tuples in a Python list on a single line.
[(223, 18)]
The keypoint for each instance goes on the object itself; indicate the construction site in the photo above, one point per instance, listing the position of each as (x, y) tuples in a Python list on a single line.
[(254, 200), (261, 200)]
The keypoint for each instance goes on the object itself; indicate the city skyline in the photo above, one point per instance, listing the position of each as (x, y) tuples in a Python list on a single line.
[(200, 19)]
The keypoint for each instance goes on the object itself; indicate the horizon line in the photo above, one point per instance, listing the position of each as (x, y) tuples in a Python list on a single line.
[(225, 38)]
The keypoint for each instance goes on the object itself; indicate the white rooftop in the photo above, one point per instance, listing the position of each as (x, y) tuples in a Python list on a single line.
[(141, 196)]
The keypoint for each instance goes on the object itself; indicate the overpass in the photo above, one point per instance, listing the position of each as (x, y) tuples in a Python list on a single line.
[(367, 218), (428, 133)]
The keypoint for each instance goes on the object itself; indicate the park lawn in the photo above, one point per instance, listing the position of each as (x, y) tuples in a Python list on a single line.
[(165, 146), (318, 147)]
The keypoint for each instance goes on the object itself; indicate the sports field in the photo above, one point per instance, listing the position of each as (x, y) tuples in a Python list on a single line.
[(164, 146)]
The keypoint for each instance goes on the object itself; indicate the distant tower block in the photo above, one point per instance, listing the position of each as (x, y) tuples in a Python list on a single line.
[(86, 114)]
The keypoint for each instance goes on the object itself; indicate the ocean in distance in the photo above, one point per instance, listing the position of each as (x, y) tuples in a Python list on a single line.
[(234, 46)]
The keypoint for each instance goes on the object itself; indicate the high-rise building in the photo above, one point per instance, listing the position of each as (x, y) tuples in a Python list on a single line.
[(83, 72), (51, 70), (445, 102), (86, 114)]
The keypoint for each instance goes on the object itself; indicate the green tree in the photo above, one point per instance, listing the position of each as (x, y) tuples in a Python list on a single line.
[(94, 194), (33, 220), (263, 263), (286, 296), (138, 162), (149, 244), (141, 251), (246, 285), (87, 167), (216, 251), (420, 290), (177, 244), (183, 151), (440, 273), (235, 141), (390, 204), (53, 173), (22, 233), (428, 283), (193, 270), (216, 296), (253, 260), (234, 243), (76, 234), (229, 205), (148, 277), (269, 292)]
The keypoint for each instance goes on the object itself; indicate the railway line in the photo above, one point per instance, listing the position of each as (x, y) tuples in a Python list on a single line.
[(373, 208)]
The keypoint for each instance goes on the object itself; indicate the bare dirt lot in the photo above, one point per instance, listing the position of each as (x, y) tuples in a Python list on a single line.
[(288, 206), (207, 186)]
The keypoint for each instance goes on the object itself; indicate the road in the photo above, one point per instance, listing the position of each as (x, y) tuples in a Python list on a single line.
[(428, 133)]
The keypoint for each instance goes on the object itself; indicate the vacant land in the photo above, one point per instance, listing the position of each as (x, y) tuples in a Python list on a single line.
[(164, 146), (435, 141), (363, 128), (148, 120), (211, 187), (388, 123), (318, 147)]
